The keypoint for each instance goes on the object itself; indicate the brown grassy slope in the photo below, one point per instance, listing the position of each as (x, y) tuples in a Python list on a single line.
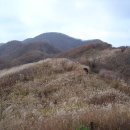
[(101, 56), (16, 53), (57, 94), (85, 50)]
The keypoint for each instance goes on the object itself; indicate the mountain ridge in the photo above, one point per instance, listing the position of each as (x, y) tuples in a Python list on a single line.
[(40, 47), (61, 41)]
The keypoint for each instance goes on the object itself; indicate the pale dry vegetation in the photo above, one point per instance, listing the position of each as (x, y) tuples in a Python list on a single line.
[(57, 94), (102, 56)]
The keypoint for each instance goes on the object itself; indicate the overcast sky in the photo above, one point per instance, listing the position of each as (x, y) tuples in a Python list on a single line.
[(108, 20)]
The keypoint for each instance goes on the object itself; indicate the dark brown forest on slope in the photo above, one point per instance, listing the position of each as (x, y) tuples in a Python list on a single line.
[(34, 49), (16, 53)]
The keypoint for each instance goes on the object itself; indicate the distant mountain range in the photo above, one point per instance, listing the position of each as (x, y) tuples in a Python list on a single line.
[(40, 47), (58, 40), (16, 53), (1, 44), (90, 48), (94, 53)]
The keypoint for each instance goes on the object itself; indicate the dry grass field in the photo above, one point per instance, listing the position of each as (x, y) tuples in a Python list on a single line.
[(57, 94)]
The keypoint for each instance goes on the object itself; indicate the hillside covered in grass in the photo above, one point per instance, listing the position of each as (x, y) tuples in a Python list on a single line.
[(57, 94), (103, 59), (46, 45), (16, 53)]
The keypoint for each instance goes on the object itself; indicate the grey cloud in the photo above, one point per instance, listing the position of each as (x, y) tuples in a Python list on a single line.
[(108, 19)]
